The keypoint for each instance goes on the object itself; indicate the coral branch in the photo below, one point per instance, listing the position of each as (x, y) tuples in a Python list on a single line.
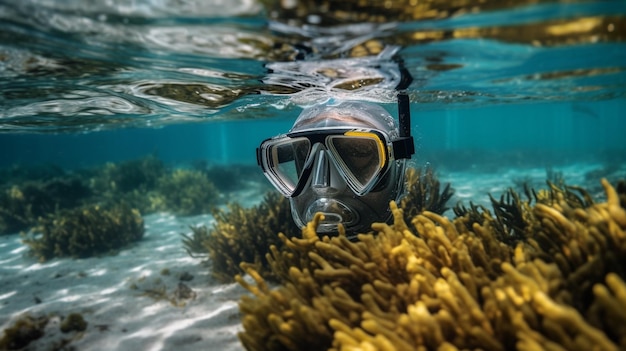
[(451, 284)]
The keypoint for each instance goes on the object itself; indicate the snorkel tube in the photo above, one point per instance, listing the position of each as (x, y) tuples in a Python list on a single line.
[(404, 143)]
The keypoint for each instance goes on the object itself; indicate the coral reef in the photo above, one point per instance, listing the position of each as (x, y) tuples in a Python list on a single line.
[(452, 284), (245, 235), (242, 235), (85, 231)]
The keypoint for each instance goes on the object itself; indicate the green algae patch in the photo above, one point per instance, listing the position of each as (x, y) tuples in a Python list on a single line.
[(146, 184), (241, 235), (21, 203), (25, 330), (186, 193), (73, 322), (85, 231)]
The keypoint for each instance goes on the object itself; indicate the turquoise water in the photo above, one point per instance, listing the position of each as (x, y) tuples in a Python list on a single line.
[(504, 94), (81, 85), (582, 130)]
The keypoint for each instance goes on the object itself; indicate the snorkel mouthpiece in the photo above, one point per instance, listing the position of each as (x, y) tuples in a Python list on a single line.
[(334, 212)]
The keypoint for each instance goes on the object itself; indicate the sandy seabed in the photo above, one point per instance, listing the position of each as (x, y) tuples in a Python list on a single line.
[(139, 299), (119, 296)]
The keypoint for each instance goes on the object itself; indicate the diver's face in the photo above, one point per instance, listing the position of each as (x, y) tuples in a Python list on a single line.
[(327, 192)]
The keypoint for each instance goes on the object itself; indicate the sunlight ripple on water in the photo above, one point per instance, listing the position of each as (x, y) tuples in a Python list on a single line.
[(67, 66)]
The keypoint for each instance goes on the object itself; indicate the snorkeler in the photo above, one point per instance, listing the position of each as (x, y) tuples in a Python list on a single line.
[(345, 160)]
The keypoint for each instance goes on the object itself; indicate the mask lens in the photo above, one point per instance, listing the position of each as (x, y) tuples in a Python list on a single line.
[(286, 162), (361, 155)]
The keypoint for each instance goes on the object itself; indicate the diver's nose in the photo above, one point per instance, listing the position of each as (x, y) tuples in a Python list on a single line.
[(322, 175)]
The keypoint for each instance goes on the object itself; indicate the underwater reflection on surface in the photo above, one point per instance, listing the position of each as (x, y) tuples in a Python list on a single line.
[(68, 66)]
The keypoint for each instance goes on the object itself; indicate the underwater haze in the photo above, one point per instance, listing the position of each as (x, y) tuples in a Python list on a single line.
[(141, 119)]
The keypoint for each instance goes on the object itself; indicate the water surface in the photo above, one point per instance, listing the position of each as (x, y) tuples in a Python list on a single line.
[(76, 66)]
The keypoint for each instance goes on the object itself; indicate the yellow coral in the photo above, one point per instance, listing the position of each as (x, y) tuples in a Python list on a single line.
[(442, 285)]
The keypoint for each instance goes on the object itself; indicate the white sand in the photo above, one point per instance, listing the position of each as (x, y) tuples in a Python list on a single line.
[(119, 315), (110, 291)]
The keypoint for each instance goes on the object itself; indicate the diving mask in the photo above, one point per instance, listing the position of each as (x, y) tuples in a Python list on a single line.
[(361, 157), (345, 160)]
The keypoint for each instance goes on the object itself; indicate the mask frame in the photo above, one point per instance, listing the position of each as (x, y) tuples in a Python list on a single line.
[(386, 150)]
